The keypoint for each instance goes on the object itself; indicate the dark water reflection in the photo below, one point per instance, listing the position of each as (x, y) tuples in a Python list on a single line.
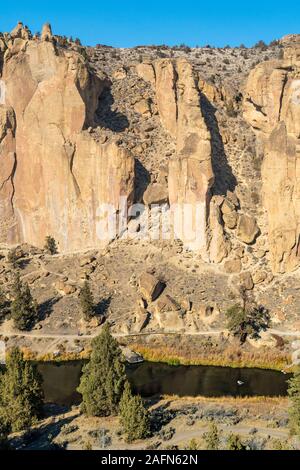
[(61, 381)]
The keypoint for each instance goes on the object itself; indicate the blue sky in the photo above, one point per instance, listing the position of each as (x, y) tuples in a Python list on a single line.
[(129, 23)]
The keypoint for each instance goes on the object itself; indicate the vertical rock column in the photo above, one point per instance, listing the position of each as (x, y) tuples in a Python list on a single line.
[(190, 169)]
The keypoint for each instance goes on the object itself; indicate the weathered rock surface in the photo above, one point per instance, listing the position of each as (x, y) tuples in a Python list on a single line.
[(272, 107), (54, 176), (150, 287), (190, 168), (247, 228)]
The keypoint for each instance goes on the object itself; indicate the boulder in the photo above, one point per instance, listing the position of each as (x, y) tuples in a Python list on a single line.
[(246, 281), (146, 71), (143, 107), (232, 265), (65, 288), (150, 287), (166, 304), (230, 219), (156, 193), (247, 228), (259, 276), (119, 74), (219, 245)]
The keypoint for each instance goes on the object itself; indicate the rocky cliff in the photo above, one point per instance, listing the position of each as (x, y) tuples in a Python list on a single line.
[(272, 107), (83, 126), (54, 175)]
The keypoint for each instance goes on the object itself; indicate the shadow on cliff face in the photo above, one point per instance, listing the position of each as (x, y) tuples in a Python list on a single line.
[(142, 180), (107, 117), (224, 178)]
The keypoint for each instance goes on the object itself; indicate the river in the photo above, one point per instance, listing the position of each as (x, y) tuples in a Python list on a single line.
[(60, 381)]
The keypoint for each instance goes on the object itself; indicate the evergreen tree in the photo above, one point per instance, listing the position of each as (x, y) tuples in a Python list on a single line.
[(87, 302), (234, 442), (24, 309), (12, 258), (3, 304), (3, 435), (294, 408), (50, 245), (3, 301), (21, 395), (243, 321), (103, 378), (133, 415), (193, 445), (212, 437)]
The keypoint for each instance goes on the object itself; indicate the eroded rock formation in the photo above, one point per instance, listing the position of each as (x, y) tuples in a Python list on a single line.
[(272, 107), (190, 169), (54, 176)]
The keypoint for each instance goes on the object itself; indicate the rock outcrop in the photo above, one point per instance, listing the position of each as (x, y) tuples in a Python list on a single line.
[(54, 176), (190, 168), (272, 107)]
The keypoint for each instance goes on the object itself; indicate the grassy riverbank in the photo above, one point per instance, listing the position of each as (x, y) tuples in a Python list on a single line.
[(230, 357)]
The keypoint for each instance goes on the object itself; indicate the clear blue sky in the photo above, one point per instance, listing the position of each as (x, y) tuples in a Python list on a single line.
[(130, 22)]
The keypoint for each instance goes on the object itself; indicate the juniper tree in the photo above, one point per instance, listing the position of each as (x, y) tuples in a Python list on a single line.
[(50, 245), (12, 258), (87, 302), (24, 309), (3, 304), (243, 321), (212, 437), (103, 378), (294, 407), (3, 435), (234, 442), (21, 395), (133, 415), (2, 299)]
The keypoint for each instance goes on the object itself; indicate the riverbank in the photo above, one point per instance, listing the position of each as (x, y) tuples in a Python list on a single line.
[(174, 349), (180, 423)]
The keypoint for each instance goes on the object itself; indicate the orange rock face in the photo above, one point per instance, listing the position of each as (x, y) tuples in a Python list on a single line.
[(54, 176), (272, 107)]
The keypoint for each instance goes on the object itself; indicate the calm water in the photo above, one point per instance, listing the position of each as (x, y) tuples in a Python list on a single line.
[(61, 380)]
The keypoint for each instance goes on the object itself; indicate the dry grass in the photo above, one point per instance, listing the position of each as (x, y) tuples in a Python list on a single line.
[(230, 357)]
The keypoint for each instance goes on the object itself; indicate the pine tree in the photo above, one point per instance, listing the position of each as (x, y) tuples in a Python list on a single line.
[(103, 378), (193, 445), (12, 258), (3, 435), (24, 309), (3, 304), (133, 415), (234, 442), (87, 302), (212, 437), (294, 408), (50, 245), (3, 300), (21, 395)]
